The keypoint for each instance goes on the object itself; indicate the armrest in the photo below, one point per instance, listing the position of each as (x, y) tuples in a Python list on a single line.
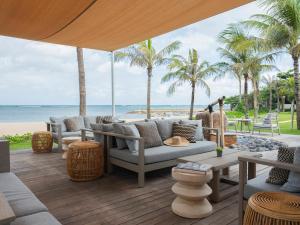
[(217, 130), (268, 162), (50, 127), (111, 134)]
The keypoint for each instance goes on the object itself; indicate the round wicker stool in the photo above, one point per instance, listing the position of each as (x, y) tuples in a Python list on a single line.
[(85, 161), (269, 208), (42, 142)]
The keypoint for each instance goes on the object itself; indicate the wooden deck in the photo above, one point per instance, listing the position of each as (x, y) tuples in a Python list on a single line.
[(113, 199)]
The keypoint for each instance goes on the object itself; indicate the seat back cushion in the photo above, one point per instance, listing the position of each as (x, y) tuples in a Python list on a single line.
[(74, 123), (149, 132), (186, 131), (199, 131), (88, 120), (165, 127), (293, 183), (58, 120), (131, 130), (121, 143), (277, 175)]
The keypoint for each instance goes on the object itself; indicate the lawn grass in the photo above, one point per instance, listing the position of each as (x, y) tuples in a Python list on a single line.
[(21, 145)]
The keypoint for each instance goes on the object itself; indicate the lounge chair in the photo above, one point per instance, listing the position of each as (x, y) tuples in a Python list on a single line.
[(269, 122)]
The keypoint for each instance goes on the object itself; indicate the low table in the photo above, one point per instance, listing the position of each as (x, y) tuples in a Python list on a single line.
[(229, 158), (7, 215), (244, 121), (66, 141)]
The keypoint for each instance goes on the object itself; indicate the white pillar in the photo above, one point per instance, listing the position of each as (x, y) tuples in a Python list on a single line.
[(113, 108)]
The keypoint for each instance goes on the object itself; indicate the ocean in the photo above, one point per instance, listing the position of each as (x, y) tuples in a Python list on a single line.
[(37, 113)]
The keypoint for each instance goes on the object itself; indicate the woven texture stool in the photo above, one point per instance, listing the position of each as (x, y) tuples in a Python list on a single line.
[(271, 208), (85, 160), (191, 190), (41, 142)]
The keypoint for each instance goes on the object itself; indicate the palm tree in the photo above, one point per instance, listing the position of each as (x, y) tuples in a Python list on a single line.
[(280, 28), (189, 70), (270, 81), (145, 55), (82, 91)]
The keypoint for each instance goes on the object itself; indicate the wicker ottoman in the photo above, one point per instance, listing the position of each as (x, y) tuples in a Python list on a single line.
[(270, 208), (85, 160), (42, 142)]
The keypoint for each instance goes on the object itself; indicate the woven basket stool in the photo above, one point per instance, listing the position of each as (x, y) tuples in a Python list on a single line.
[(271, 208), (85, 160), (42, 142)]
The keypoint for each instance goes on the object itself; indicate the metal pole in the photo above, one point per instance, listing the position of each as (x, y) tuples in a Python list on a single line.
[(112, 86)]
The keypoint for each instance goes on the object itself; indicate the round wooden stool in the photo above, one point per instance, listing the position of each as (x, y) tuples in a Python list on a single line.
[(42, 142), (191, 190), (269, 208), (85, 160)]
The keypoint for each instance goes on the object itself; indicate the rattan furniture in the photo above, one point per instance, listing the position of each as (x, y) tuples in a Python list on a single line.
[(192, 191), (65, 144), (270, 208), (229, 139), (85, 160), (219, 164), (42, 141)]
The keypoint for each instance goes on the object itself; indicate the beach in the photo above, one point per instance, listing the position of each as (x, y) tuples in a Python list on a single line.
[(12, 128)]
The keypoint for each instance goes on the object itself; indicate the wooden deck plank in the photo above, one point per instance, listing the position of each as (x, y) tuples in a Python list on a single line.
[(113, 199)]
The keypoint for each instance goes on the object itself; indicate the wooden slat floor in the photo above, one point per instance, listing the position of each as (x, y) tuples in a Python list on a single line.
[(113, 199)]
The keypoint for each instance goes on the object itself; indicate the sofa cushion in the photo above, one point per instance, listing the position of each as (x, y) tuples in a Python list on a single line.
[(293, 183), (186, 131), (67, 134), (121, 143), (131, 130), (59, 120), (259, 184), (278, 175), (88, 120), (104, 119), (20, 198), (97, 127), (163, 153), (149, 132), (74, 123), (42, 218), (165, 128), (199, 131)]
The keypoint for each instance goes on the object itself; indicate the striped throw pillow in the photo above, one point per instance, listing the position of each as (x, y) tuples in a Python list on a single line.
[(186, 131)]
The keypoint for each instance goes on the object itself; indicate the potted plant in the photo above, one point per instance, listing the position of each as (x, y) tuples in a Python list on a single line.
[(219, 151)]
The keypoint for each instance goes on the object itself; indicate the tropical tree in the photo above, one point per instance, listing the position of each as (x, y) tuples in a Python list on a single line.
[(280, 29), (82, 90), (189, 70), (270, 82), (145, 55)]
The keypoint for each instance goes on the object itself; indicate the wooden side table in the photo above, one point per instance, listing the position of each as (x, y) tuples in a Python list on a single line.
[(41, 142), (7, 215), (65, 144), (191, 190), (268, 208), (229, 139)]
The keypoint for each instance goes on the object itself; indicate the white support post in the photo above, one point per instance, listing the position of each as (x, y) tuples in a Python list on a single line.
[(113, 108)]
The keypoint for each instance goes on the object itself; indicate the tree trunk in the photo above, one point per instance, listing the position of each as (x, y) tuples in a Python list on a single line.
[(255, 100), (192, 102), (297, 89), (246, 95), (149, 70), (82, 91), (278, 97), (240, 90), (270, 99)]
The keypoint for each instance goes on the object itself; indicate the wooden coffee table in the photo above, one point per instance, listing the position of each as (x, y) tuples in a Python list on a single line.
[(7, 215), (229, 158)]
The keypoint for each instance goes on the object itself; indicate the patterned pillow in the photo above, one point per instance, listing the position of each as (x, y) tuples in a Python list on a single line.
[(187, 131), (104, 119), (277, 175), (199, 131), (149, 132)]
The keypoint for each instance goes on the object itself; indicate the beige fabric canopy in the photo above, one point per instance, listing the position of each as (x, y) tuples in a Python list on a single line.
[(103, 24)]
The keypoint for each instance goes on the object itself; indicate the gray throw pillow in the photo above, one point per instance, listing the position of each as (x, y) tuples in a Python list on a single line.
[(186, 131), (131, 130), (277, 175), (199, 131), (97, 127), (74, 123), (148, 131), (58, 120), (88, 120), (121, 143), (293, 183), (165, 128)]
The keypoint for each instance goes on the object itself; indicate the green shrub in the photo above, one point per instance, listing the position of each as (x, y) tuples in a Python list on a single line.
[(16, 139)]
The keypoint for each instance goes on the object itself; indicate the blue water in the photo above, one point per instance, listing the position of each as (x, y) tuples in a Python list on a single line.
[(32, 113)]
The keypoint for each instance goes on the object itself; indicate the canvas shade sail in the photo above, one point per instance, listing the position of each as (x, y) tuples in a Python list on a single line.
[(103, 24)]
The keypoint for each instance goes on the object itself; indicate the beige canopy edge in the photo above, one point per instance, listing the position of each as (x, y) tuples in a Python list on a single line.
[(103, 24)]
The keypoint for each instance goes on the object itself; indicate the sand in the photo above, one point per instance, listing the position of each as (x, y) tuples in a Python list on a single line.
[(7, 128)]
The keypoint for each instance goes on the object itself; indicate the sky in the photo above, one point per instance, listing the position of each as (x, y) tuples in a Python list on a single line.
[(36, 73)]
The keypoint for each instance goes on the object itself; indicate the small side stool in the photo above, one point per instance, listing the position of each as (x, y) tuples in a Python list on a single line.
[(42, 142), (85, 160)]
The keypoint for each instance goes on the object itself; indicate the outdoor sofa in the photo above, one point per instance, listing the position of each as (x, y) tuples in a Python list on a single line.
[(148, 159), (258, 184), (62, 127), (26, 207)]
